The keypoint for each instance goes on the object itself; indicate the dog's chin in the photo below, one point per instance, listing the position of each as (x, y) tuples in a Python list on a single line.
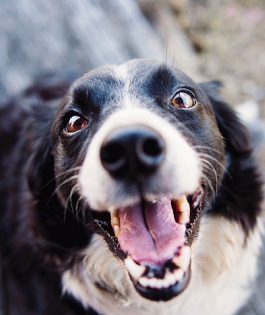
[(153, 239)]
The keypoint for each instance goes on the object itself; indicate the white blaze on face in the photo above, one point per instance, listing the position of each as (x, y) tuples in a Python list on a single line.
[(178, 174)]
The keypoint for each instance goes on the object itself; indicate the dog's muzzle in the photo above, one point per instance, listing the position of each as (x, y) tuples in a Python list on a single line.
[(142, 179)]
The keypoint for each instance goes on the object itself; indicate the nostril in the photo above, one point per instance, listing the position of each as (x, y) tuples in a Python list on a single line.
[(150, 152), (112, 156), (152, 147)]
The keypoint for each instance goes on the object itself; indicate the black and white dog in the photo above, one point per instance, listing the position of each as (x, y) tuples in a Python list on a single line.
[(135, 193)]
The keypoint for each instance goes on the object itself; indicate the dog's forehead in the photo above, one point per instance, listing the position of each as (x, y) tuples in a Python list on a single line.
[(136, 76), (141, 71)]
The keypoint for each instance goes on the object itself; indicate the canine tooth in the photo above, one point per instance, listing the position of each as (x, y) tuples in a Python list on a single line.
[(183, 217), (182, 204), (115, 222), (114, 216), (116, 229), (112, 209), (183, 260), (182, 210), (134, 269), (143, 281)]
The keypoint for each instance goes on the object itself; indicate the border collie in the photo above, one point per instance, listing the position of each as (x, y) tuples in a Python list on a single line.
[(134, 191)]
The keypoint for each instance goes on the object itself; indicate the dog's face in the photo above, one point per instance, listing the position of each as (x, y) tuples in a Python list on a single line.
[(138, 153)]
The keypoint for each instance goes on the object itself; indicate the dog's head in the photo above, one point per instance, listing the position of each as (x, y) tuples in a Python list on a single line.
[(137, 150), (138, 156)]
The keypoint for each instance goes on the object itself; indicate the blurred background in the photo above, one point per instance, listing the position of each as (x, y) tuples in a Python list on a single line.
[(222, 39)]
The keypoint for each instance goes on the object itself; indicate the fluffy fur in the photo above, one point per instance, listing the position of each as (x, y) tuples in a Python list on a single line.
[(55, 258), (228, 268)]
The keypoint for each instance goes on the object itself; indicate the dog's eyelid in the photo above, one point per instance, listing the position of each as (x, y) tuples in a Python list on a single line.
[(186, 90), (71, 109)]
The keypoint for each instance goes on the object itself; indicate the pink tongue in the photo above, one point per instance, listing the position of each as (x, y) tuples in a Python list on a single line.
[(151, 235)]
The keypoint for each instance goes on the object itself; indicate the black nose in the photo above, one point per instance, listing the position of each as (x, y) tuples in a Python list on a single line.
[(132, 151)]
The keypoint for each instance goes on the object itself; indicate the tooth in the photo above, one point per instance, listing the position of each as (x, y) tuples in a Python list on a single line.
[(143, 281), (134, 269), (159, 284), (183, 260), (178, 274), (165, 283), (114, 215), (115, 221), (183, 218), (182, 210), (169, 279), (183, 204), (116, 229), (152, 282), (111, 209)]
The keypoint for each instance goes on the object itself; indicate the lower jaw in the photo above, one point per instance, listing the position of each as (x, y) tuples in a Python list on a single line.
[(164, 294), (161, 283)]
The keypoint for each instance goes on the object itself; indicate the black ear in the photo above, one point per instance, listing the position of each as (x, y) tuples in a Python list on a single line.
[(41, 167), (40, 172), (48, 90), (235, 134)]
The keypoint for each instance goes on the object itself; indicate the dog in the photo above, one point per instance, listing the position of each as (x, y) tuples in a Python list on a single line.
[(133, 190)]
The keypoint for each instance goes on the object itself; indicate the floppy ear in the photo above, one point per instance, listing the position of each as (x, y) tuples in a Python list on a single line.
[(40, 173), (235, 134), (48, 89), (40, 169)]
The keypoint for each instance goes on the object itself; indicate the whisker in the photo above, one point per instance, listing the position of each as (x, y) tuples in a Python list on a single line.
[(69, 200), (77, 210), (214, 159), (212, 167), (63, 183), (207, 148), (62, 174), (209, 183), (196, 251)]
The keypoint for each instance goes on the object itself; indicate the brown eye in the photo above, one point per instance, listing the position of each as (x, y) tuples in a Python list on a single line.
[(183, 100), (76, 123)]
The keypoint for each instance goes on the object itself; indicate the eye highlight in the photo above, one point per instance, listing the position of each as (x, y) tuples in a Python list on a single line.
[(75, 123), (183, 100)]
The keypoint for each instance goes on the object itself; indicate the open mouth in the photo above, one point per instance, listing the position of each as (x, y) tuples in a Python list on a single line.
[(154, 241)]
